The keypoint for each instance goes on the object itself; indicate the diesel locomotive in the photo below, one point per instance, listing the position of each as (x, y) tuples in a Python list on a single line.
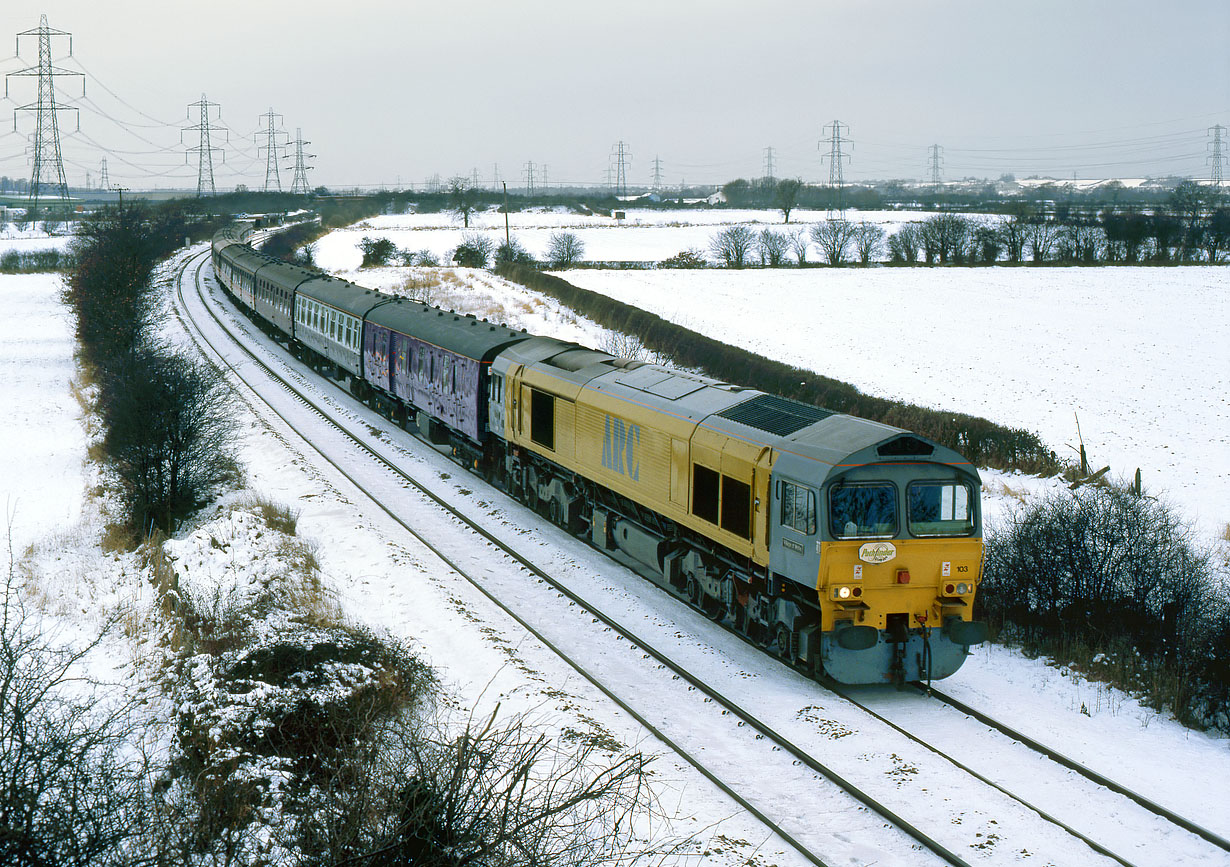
[(848, 548)]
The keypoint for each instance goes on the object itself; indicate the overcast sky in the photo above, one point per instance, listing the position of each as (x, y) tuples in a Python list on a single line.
[(392, 91)]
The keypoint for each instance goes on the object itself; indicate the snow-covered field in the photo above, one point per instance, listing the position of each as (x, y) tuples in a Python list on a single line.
[(642, 236), (1141, 356)]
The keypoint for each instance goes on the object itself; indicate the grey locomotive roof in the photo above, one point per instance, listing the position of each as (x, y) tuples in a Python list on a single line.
[(342, 294), (462, 334)]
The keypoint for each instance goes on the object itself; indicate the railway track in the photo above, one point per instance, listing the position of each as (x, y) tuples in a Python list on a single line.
[(809, 843)]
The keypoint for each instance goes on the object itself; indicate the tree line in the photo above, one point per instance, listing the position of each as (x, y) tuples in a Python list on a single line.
[(1183, 232)]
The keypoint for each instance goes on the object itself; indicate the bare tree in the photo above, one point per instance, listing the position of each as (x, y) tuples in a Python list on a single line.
[(462, 198), (834, 238), (868, 241), (169, 435), (1015, 233), (904, 244), (799, 245), (785, 195), (564, 249), (773, 247), (945, 237), (1041, 237), (732, 245)]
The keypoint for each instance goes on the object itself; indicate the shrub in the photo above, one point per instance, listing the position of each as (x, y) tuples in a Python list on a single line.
[(474, 251), (511, 251), (685, 259), (1105, 570), (71, 787), (376, 252)]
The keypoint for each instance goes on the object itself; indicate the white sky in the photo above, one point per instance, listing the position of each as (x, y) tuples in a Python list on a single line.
[(390, 91)]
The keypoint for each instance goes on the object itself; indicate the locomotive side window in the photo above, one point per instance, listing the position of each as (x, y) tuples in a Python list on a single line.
[(736, 507), (706, 493), (542, 418), (798, 508), (857, 511), (939, 509)]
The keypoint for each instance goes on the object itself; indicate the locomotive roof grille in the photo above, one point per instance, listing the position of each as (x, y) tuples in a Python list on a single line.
[(775, 415)]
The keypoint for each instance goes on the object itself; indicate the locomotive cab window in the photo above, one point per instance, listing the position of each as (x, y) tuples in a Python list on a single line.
[(863, 511), (798, 507), (939, 509)]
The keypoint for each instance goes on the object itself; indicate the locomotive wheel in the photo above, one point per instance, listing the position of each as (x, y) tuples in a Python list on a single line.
[(782, 642), (692, 589)]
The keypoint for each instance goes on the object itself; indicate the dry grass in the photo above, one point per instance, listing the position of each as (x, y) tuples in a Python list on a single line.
[(276, 516), (120, 538)]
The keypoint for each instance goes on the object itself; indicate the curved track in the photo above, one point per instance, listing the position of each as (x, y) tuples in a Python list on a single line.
[(778, 742)]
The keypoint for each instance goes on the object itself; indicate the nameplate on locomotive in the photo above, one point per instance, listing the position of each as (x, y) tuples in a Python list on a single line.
[(877, 552), (792, 545)]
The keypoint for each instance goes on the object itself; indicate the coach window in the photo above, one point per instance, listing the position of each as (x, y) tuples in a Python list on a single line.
[(706, 493), (542, 418)]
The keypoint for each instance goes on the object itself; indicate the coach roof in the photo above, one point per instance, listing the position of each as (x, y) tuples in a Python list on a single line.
[(463, 334)]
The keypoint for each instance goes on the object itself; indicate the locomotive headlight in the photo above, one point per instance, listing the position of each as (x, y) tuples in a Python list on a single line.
[(964, 588), (843, 592)]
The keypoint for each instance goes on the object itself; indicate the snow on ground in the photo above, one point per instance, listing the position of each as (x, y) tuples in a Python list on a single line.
[(30, 240), (1140, 355), (391, 582), (42, 442), (643, 236)]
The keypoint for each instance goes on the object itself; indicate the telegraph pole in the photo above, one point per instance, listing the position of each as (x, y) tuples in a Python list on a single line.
[(205, 150), (299, 186), (271, 148), (48, 161)]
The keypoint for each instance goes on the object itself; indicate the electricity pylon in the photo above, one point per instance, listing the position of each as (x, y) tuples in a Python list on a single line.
[(1218, 157), (205, 150), (299, 186), (272, 180), (47, 159), (835, 158)]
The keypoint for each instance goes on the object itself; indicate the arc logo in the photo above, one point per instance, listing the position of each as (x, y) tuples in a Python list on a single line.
[(621, 448)]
